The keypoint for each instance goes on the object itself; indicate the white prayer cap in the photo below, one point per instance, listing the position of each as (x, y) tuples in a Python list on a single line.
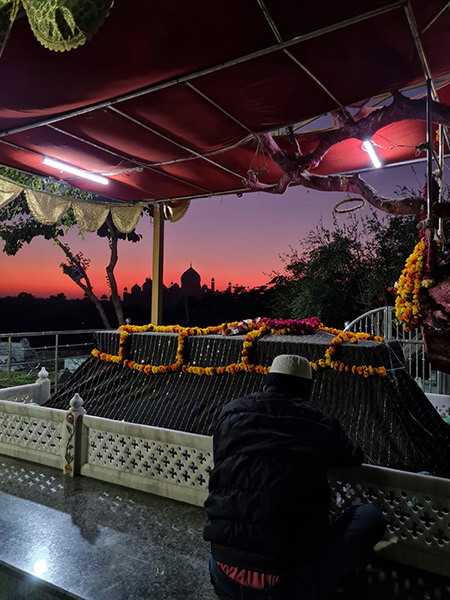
[(291, 364)]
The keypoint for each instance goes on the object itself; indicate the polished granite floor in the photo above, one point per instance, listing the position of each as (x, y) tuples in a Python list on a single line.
[(81, 538), (99, 541)]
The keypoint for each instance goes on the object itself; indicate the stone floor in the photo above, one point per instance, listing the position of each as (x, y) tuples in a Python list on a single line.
[(101, 541)]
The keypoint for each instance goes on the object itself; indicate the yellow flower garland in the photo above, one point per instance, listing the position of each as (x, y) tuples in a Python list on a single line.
[(337, 365), (417, 274), (407, 301), (256, 329)]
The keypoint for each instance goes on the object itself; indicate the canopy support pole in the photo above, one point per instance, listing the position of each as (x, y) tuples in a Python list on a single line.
[(158, 263), (429, 150), (423, 59), (440, 229)]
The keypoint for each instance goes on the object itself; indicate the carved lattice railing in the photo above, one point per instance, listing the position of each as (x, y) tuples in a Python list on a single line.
[(174, 464), (31, 433), (416, 508)]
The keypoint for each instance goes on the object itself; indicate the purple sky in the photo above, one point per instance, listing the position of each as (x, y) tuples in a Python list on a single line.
[(229, 238)]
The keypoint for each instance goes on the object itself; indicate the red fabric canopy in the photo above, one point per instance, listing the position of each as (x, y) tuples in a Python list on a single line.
[(207, 76)]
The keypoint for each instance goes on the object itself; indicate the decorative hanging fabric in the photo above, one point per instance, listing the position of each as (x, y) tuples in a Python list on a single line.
[(58, 25), (46, 208), (49, 209), (90, 217), (8, 191), (8, 13), (175, 209), (125, 218)]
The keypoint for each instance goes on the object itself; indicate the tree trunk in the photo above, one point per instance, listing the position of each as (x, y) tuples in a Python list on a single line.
[(98, 305), (87, 287), (113, 240)]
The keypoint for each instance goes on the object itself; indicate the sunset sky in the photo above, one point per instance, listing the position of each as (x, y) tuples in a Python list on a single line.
[(229, 238)]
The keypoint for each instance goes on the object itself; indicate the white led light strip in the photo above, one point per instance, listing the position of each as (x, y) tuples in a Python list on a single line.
[(75, 171), (368, 147)]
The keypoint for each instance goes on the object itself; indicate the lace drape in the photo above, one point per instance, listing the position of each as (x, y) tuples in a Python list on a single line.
[(49, 209), (58, 25)]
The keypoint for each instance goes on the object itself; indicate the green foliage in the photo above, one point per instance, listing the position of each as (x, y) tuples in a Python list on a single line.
[(18, 226), (391, 241), (76, 266), (338, 274), (45, 184), (133, 237)]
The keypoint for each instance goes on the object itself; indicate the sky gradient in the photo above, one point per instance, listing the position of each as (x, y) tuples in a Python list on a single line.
[(225, 237)]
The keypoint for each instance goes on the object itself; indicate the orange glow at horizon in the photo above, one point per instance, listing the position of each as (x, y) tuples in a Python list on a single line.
[(237, 240), (22, 276)]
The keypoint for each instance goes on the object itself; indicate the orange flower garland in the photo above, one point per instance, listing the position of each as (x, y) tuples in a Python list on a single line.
[(418, 274), (255, 329), (337, 365), (407, 301)]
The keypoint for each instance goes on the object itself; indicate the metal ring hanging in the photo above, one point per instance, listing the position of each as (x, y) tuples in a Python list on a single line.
[(347, 210)]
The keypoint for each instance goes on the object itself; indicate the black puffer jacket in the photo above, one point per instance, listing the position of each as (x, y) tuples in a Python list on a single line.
[(269, 496)]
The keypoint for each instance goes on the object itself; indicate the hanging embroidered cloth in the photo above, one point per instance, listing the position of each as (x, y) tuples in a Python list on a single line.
[(58, 25), (50, 208), (8, 191), (174, 210)]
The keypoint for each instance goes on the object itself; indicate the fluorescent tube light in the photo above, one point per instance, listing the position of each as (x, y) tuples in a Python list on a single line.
[(75, 170), (368, 147)]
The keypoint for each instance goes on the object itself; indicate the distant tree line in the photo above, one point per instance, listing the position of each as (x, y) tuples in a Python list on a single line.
[(25, 312), (335, 274)]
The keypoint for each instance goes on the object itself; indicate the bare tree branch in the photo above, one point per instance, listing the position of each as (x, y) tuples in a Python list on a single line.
[(76, 263), (353, 184), (296, 166)]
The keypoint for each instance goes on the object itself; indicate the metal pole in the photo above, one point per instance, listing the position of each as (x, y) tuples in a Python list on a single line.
[(422, 57), (177, 144), (56, 360), (440, 229), (434, 18), (158, 264), (224, 65), (389, 333), (429, 149), (8, 365)]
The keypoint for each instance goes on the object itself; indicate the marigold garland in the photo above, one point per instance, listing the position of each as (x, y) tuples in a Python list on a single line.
[(337, 365), (418, 274), (253, 328)]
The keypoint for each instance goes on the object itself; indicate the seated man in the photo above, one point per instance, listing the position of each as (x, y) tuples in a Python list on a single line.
[(268, 508)]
